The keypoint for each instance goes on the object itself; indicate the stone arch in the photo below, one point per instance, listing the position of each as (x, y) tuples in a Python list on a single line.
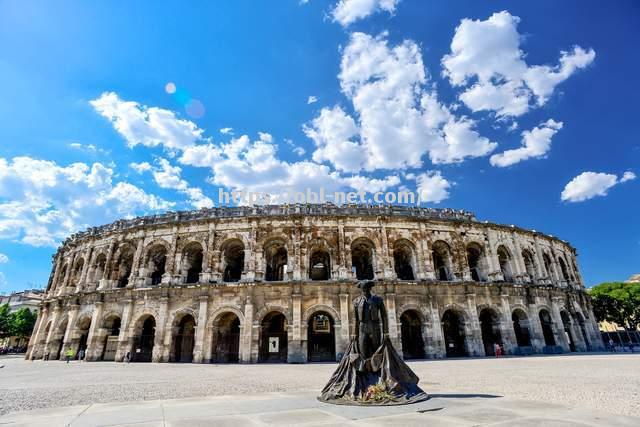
[(412, 333), (179, 313), (363, 258), (568, 328), (62, 276), (276, 259), (321, 307), (563, 269), (404, 259), (274, 337), (320, 256), (143, 337), (548, 266), (490, 320), (505, 261), (123, 264), (529, 260), (442, 260), (220, 311), (192, 261), (232, 253), (477, 261), (76, 272), (455, 330), (223, 336), (546, 322), (156, 257), (98, 268), (270, 308), (321, 336), (413, 306), (521, 326)]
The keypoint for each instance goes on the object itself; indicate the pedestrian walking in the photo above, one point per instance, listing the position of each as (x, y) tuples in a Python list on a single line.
[(46, 355), (69, 355), (497, 350), (612, 349), (81, 354), (127, 357)]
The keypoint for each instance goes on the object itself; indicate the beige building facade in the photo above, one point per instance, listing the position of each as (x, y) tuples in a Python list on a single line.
[(276, 284)]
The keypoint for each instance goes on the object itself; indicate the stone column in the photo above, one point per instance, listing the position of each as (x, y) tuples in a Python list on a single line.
[(83, 273), (247, 352), (540, 264), (295, 345), (344, 269), (473, 334), (344, 333), (36, 337), (509, 340), (561, 338), (518, 261), (535, 329), (135, 266), (392, 316), (435, 347), (160, 344), (201, 330), (385, 260), (66, 341), (93, 344), (125, 338), (56, 276), (106, 274)]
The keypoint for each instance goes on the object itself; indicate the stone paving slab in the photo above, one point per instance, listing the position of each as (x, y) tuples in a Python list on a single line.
[(302, 409)]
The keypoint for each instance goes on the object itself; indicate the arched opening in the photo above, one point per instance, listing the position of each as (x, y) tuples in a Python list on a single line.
[(321, 338), (192, 262), (82, 333), (548, 266), (504, 259), (454, 336), (275, 255), (77, 272), (273, 339), (529, 264), (183, 340), (521, 328), (319, 265), (547, 328), (144, 340), (226, 339), (566, 323), (362, 258), (61, 277), (583, 330), (411, 335), (122, 272), (477, 262), (112, 326), (441, 254), (98, 268), (563, 269), (232, 260), (490, 328), (156, 263), (403, 260), (57, 340)]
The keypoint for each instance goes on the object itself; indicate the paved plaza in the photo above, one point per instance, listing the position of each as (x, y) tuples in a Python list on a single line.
[(595, 389)]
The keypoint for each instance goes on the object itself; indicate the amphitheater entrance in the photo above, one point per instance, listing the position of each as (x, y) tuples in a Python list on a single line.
[(566, 323), (490, 328), (580, 320), (454, 336), (521, 328), (183, 340), (547, 328), (144, 340), (411, 335), (226, 339), (58, 340), (112, 326), (273, 338), (321, 338), (83, 331)]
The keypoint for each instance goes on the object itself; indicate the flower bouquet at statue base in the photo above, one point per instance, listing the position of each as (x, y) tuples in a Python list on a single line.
[(383, 379)]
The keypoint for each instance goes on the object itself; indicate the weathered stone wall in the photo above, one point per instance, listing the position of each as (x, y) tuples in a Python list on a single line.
[(132, 271)]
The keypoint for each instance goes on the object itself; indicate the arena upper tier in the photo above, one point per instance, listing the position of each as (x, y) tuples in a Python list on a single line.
[(276, 283)]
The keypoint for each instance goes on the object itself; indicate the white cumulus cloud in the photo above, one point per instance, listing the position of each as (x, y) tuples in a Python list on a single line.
[(432, 187), (487, 61), (347, 12), (4, 259), (588, 185), (312, 99), (43, 202), (149, 126), (535, 144)]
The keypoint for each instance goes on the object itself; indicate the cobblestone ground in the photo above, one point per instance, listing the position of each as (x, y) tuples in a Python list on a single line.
[(605, 382)]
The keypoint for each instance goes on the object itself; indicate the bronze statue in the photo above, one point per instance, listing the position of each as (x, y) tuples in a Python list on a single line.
[(371, 372)]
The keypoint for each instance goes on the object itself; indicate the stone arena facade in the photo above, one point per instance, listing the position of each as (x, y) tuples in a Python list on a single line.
[(276, 284)]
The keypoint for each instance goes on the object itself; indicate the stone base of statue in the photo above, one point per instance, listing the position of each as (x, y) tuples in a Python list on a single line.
[(383, 379)]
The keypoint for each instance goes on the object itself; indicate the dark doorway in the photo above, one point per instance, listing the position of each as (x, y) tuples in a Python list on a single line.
[(143, 343), (321, 338), (226, 339), (233, 261), (273, 339), (411, 333), (112, 325), (490, 327), (362, 259), (403, 260), (184, 340), (547, 328), (319, 265), (276, 261), (193, 262), (453, 330), (521, 328)]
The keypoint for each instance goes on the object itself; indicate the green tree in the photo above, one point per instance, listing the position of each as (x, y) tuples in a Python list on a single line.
[(5, 321), (22, 322), (617, 302)]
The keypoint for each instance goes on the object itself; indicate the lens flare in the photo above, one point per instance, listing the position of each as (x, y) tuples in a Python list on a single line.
[(195, 108), (170, 88)]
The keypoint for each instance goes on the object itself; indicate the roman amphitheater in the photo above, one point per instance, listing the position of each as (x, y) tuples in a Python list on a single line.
[(276, 284)]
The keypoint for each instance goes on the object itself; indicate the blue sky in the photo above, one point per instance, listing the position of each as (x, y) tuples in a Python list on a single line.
[(471, 103)]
